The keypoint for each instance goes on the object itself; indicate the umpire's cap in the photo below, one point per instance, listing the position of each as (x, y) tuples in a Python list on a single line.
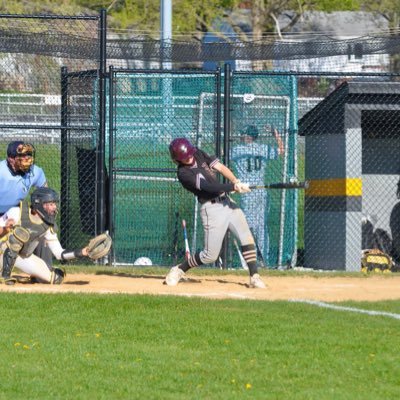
[(181, 149), (12, 148), (250, 130), (20, 148)]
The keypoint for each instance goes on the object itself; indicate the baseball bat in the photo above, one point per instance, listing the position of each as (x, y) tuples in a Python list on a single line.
[(282, 185), (187, 249), (243, 262), (175, 238)]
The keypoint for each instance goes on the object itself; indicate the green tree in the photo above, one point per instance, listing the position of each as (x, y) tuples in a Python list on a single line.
[(390, 10), (191, 18)]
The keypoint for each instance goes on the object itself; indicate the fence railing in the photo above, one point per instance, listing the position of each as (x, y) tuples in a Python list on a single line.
[(45, 109)]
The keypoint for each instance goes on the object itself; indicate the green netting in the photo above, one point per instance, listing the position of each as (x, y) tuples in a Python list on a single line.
[(149, 204), (266, 101), (78, 152), (149, 109)]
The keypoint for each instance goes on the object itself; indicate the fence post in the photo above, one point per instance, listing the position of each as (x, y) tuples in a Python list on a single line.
[(101, 195), (111, 150), (64, 206), (218, 115), (225, 158)]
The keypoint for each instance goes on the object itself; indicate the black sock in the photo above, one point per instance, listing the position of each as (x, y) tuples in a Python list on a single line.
[(250, 255), (193, 261)]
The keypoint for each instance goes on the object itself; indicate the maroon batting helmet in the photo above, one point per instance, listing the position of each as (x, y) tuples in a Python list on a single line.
[(181, 149)]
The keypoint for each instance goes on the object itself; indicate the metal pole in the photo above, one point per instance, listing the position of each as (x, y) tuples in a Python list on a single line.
[(100, 209), (218, 115), (166, 33), (227, 112), (227, 128), (64, 203), (166, 56), (111, 258)]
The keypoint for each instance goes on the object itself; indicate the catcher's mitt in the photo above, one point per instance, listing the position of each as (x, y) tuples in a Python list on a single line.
[(99, 246), (375, 260)]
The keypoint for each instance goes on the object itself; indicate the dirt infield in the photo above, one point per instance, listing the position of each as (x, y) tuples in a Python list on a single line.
[(332, 289)]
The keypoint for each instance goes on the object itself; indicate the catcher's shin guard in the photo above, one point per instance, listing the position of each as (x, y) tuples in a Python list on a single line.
[(9, 258), (57, 276)]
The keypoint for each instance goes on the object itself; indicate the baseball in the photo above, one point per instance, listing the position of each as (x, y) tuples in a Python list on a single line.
[(248, 97), (143, 261)]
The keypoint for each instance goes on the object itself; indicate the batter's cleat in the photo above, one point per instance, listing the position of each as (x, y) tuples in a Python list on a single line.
[(174, 276), (256, 282)]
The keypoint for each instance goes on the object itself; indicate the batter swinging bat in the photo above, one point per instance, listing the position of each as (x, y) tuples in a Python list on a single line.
[(187, 250), (242, 260), (283, 185)]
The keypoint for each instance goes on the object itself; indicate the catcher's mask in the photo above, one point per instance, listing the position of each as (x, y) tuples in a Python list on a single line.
[(181, 149), (40, 200), (250, 130), (21, 156)]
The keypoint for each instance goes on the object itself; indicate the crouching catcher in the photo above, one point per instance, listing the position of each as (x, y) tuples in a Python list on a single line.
[(21, 229)]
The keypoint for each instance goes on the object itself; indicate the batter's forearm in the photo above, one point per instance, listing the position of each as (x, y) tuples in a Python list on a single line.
[(226, 172), (216, 187)]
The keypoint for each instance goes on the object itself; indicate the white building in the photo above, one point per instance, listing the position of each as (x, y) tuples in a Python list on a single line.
[(321, 29)]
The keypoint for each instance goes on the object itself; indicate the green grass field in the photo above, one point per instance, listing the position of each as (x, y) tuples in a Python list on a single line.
[(75, 346)]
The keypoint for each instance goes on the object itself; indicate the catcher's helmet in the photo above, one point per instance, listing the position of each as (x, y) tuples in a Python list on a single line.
[(181, 149), (251, 130), (44, 195)]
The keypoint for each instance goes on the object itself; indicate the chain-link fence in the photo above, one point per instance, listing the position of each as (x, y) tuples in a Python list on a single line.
[(149, 108), (339, 119), (32, 101), (102, 134), (351, 139)]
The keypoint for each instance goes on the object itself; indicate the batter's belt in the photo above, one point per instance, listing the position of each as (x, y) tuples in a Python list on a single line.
[(219, 199)]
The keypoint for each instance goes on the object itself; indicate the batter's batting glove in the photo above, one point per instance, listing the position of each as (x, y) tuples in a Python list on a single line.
[(242, 188)]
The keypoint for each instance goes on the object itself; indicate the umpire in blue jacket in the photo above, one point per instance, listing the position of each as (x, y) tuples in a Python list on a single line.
[(18, 174)]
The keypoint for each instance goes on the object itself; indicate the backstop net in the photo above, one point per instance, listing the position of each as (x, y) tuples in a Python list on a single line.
[(263, 107), (149, 110)]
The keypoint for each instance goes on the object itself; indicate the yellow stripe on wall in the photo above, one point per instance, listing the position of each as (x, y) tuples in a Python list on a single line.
[(335, 187)]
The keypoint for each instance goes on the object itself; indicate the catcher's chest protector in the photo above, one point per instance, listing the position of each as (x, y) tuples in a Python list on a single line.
[(36, 231)]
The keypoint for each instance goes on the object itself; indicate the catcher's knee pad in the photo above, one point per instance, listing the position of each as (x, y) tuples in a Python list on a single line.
[(18, 238), (57, 276)]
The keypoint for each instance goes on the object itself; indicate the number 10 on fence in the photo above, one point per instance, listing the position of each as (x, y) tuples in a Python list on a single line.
[(187, 249)]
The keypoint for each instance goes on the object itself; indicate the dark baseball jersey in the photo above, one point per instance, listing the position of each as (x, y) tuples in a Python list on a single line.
[(200, 179)]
